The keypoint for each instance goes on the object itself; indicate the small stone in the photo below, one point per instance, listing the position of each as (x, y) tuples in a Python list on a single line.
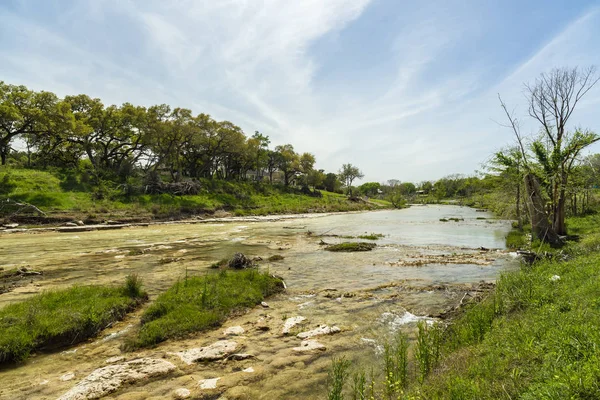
[(215, 351), (290, 323), (114, 359), (248, 370), (234, 331), (181, 393), (70, 224), (67, 377), (309, 345), (264, 304), (79, 223), (321, 330), (44, 382), (261, 325), (208, 383), (555, 278)]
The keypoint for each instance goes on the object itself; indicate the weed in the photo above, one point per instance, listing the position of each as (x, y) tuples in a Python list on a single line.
[(337, 377)]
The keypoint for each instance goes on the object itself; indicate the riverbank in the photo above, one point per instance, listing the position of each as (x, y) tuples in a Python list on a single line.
[(533, 336), (59, 200)]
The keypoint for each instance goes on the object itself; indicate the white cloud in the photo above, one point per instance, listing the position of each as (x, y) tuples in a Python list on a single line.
[(250, 61)]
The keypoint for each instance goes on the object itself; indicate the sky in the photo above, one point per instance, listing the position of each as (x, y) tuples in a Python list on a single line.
[(404, 90)]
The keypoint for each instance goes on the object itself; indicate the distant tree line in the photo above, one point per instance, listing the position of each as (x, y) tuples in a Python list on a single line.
[(117, 142)]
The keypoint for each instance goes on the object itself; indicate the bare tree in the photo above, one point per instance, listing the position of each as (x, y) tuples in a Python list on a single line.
[(552, 100)]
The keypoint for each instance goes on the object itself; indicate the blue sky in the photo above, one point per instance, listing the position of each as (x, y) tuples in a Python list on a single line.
[(402, 89)]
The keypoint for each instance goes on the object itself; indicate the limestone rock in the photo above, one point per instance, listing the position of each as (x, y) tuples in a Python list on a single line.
[(321, 330), (108, 379), (208, 383), (114, 359), (290, 323), (181, 393), (67, 377), (215, 351), (309, 345), (234, 331)]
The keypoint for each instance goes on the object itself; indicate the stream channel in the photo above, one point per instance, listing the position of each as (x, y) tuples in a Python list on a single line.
[(421, 268)]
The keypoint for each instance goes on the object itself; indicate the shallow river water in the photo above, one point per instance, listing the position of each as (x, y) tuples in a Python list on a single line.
[(419, 269)]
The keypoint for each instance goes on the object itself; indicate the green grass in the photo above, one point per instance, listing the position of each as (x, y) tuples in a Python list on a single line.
[(200, 303), (63, 317), (351, 246), (371, 236), (535, 336), (532, 338), (56, 192), (517, 239)]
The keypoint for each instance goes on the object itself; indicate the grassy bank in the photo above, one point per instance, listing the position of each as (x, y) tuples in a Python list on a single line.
[(535, 336), (200, 303), (67, 195), (63, 317)]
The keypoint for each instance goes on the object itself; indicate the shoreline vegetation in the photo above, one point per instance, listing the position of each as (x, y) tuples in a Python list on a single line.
[(534, 335), (61, 318), (61, 204), (199, 303)]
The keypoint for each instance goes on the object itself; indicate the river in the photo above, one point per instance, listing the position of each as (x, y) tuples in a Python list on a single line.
[(421, 267)]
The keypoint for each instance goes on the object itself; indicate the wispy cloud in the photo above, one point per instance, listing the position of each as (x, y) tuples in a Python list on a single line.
[(427, 114)]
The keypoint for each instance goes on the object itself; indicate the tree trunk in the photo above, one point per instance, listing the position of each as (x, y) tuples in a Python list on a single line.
[(519, 219), (540, 226), (559, 212)]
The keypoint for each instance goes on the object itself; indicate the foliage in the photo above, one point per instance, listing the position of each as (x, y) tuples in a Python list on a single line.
[(348, 174), (200, 303), (337, 377), (63, 317)]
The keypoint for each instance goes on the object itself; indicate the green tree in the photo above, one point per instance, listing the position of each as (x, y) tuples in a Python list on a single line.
[(348, 174), (331, 182)]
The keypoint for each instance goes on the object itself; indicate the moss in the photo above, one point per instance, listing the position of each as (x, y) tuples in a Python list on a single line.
[(351, 247), (276, 257)]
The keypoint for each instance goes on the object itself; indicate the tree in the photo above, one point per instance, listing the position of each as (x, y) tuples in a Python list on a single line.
[(331, 182), (508, 163), (288, 162), (24, 112), (262, 146), (369, 188), (552, 100), (348, 174)]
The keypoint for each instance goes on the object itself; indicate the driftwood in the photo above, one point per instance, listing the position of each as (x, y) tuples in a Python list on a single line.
[(11, 208)]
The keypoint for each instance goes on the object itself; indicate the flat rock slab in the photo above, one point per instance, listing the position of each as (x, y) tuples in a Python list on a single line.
[(181, 393), (234, 331), (321, 330), (215, 351), (109, 379), (290, 323), (208, 383), (309, 345)]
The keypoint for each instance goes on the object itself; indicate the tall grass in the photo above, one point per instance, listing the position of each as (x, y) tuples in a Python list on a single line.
[(337, 377), (200, 303), (63, 317)]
